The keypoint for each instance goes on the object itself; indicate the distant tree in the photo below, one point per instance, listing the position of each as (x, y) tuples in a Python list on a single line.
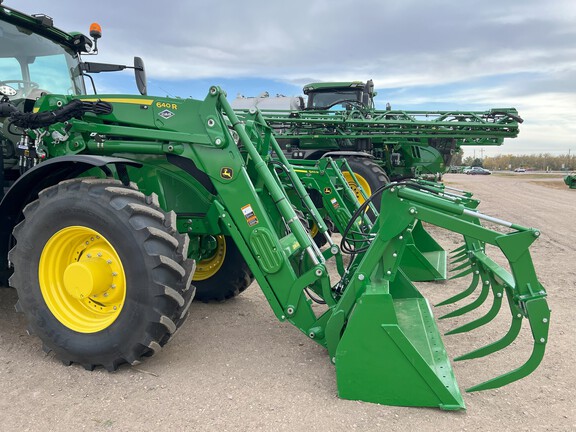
[(457, 157), (542, 161), (477, 162)]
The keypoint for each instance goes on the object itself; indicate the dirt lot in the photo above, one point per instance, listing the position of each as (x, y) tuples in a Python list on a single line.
[(234, 367)]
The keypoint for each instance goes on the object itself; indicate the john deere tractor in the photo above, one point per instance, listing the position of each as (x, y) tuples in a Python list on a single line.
[(112, 203)]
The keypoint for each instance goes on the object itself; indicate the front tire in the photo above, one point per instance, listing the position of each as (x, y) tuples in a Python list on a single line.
[(101, 272)]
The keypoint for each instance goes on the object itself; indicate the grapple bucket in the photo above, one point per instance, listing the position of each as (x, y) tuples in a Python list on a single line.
[(382, 334), (392, 353), (424, 259)]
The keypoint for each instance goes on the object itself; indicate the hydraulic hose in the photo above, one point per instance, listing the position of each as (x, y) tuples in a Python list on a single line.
[(74, 109)]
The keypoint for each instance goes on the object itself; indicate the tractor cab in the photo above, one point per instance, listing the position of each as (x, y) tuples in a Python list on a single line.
[(339, 95), (37, 61), (37, 58)]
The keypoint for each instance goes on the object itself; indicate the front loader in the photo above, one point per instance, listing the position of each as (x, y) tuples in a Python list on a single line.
[(118, 197)]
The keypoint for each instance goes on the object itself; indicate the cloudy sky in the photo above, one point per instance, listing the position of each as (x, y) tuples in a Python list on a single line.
[(433, 55)]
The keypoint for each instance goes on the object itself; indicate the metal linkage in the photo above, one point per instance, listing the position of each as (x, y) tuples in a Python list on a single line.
[(277, 194)]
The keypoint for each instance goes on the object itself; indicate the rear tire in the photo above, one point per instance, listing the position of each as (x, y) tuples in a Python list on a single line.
[(223, 276), (370, 175), (126, 247)]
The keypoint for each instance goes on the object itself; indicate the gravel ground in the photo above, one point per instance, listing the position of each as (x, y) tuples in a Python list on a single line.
[(234, 367)]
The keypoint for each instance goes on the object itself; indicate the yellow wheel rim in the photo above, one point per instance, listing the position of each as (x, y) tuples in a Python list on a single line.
[(314, 230), (82, 279), (363, 183), (210, 266)]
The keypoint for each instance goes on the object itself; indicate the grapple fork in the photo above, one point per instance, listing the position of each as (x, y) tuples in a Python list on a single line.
[(382, 332)]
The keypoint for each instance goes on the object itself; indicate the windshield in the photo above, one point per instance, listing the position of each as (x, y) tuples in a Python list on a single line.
[(32, 64), (333, 99)]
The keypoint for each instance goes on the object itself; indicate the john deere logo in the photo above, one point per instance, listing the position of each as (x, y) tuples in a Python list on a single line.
[(327, 191), (226, 173)]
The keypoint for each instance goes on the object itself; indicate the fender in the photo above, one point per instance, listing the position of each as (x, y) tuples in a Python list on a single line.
[(339, 154), (29, 185), (316, 154)]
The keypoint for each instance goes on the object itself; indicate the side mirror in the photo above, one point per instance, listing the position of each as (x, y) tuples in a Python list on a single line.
[(140, 75)]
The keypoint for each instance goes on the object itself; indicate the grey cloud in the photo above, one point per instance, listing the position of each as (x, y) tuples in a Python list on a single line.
[(440, 40), (521, 52)]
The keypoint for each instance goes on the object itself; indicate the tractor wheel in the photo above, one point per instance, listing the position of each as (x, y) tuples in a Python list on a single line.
[(318, 238), (370, 175), (101, 272), (224, 275)]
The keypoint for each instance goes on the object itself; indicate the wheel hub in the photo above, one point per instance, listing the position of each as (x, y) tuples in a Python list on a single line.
[(208, 267), (91, 276), (363, 182)]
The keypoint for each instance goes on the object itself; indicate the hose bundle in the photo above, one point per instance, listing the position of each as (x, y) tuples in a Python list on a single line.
[(75, 109)]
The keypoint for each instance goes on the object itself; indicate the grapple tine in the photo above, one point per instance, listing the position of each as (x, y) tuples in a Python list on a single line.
[(464, 293), (502, 343), (462, 266), (459, 259), (497, 290), (458, 249), (475, 304), (539, 316), (462, 274), (459, 254)]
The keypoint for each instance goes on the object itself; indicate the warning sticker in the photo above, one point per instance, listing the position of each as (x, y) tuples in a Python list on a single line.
[(335, 203), (249, 215)]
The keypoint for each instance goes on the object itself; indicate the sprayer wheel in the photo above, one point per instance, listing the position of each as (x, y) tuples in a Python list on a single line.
[(369, 174)]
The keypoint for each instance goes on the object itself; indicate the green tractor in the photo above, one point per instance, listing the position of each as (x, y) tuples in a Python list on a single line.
[(112, 203), (570, 181)]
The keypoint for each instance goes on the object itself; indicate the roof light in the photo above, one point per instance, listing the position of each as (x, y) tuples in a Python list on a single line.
[(95, 31)]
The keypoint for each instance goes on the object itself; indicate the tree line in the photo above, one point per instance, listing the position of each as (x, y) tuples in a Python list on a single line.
[(539, 162)]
